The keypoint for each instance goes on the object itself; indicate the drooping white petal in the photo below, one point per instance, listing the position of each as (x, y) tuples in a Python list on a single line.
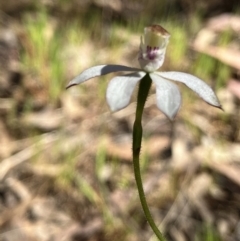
[(168, 96), (120, 89), (194, 83), (97, 71)]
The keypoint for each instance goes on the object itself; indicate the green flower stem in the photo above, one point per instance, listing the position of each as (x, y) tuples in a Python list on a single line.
[(143, 91)]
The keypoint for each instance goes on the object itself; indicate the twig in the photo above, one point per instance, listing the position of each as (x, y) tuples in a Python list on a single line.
[(11, 162)]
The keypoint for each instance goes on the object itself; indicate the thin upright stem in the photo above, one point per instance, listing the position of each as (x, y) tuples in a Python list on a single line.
[(143, 91)]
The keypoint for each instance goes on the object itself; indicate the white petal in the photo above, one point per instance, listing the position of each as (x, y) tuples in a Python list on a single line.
[(97, 71), (194, 83), (120, 89), (168, 96)]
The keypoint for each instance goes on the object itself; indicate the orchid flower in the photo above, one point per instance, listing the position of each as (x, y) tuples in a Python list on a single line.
[(151, 57)]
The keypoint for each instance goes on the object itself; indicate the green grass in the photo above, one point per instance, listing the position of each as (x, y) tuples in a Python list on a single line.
[(41, 55), (208, 233), (209, 68), (178, 45)]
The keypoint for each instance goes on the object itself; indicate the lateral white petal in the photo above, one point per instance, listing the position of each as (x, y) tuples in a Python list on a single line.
[(168, 96), (120, 89), (194, 83), (97, 71)]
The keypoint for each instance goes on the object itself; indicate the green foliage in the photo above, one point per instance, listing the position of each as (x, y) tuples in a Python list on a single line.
[(100, 163), (68, 173), (208, 68), (177, 48), (42, 53), (204, 66), (208, 233), (225, 38), (74, 33)]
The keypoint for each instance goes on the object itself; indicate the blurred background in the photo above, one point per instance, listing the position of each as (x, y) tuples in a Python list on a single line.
[(65, 160)]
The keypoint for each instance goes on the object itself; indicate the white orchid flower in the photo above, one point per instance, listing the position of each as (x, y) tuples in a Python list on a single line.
[(151, 57)]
